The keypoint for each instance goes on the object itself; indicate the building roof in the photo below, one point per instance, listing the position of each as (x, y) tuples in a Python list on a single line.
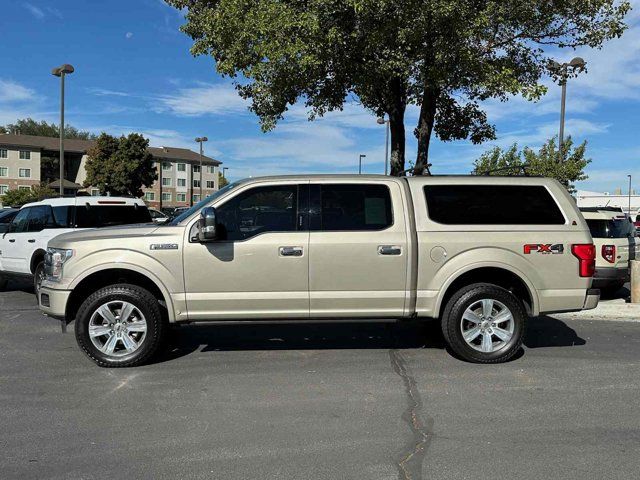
[(81, 146), (65, 184)]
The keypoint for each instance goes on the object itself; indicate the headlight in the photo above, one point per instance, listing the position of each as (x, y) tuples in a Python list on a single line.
[(54, 260)]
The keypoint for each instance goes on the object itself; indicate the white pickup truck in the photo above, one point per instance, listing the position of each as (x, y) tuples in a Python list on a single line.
[(479, 253)]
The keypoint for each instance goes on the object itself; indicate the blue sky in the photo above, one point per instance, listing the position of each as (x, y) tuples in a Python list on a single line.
[(134, 72)]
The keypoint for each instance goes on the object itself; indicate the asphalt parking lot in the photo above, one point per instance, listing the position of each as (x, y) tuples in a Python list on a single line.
[(334, 401)]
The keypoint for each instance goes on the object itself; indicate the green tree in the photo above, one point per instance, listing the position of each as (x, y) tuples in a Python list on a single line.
[(222, 181), (545, 162), (29, 126), (445, 56), (19, 196), (120, 166)]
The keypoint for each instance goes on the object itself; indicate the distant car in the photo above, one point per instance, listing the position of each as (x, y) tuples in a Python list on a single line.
[(614, 237), (24, 243), (158, 217), (6, 215)]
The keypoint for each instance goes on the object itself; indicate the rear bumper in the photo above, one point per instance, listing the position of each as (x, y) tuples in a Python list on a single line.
[(592, 299), (605, 276), (53, 302)]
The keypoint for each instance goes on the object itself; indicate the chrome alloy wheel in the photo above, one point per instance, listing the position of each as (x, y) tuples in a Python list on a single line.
[(117, 328), (487, 325)]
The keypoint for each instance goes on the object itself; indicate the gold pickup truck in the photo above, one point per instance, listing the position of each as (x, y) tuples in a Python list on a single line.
[(479, 253)]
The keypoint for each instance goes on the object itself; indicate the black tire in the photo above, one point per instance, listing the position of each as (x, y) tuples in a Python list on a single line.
[(3, 283), (145, 302), (452, 320), (38, 276)]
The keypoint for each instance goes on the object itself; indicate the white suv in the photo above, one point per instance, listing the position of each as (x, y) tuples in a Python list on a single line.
[(24, 244)]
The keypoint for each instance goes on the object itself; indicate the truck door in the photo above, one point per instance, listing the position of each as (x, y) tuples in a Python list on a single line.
[(260, 266), (14, 245), (357, 249)]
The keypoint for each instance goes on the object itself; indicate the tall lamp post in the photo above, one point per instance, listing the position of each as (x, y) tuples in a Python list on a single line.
[(360, 163), (61, 71), (629, 195), (200, 140), (224, 175), (382, 121), (578, 64)]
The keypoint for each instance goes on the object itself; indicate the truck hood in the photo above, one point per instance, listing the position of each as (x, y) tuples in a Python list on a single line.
[(120, 233)]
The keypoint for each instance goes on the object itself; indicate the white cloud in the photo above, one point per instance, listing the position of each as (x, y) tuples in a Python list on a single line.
[(35, 11), (205, 99), (128, 35), (104, 92), (14, 92)]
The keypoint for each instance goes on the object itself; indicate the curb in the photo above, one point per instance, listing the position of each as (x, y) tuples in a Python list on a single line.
[(612, 310)]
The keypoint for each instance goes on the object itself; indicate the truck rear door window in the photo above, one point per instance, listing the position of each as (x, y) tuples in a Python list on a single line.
[(355, 207), (614, 228), (492, 205), (96, 216)]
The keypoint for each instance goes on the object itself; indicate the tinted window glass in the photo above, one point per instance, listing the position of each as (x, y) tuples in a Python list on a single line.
[(63, 216), (492, 205), (8, 216), (618, 228), (259, 210), (96, 216), (40, 218), (349, 207), (21, 221)]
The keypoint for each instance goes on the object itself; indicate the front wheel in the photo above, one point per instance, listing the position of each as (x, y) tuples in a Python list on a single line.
[(484, 323), (120, 326), (38, 277)]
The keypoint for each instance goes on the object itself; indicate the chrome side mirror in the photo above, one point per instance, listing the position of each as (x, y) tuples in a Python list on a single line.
[(207, 225)]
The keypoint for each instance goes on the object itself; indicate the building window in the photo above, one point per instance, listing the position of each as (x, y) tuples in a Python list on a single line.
[(181, 197), (25, 155), (212, 169), (3, 153), (166, 182), (182, 182), (166, 165), (4, 189), (166, 197), (211, 184), (182, 167), (95, 192), (196, 169), (196, 183), (4, 172), (149, 196), (24, 187), (24, 173), (196, 198)]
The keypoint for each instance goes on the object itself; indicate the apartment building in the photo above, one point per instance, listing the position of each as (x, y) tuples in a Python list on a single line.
[(27, 160)]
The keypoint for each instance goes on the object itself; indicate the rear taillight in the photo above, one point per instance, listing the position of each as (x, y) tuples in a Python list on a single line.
[(609, 253), (586, 254)]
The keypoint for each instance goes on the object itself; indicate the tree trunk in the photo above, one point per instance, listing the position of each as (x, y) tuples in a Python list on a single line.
[(396, 127), (424, 130)]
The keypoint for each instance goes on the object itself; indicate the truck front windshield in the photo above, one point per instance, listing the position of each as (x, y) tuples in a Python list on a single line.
[(202, 203)]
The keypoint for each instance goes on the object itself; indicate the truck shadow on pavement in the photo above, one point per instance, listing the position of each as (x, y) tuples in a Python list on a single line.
[(184, 340)]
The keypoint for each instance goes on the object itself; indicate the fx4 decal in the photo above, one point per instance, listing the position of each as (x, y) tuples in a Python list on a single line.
[(545, 248)]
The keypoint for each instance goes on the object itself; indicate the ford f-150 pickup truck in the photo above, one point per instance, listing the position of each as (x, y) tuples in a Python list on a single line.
[(479, 253)]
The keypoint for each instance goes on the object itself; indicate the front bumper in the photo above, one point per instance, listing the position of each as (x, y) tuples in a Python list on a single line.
[(53, 302), (605, 276)]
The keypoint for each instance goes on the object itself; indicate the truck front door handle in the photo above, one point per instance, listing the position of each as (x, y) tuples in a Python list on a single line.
[(31, 240), (290, 251), (389, 250), (12, 240)]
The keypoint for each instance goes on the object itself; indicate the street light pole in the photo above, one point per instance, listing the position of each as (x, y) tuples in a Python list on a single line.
[(61, 71), (629, 195), (200, 140), (382, 121), (576, 63), (224, 169), (360, 164)]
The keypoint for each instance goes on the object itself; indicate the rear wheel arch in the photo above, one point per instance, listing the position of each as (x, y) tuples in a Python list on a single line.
[(96, 280), (516, 283)]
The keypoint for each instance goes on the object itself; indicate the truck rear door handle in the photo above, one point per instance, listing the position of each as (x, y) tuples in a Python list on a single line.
[(31, 240), (290, 251), (12, 240), (389, 250)]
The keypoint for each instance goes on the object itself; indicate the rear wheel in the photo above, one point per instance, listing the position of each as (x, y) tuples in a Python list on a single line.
[(120, 326), (3, 283), (484, 323)]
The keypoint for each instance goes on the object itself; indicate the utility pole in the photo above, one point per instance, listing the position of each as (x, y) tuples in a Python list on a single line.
[(360, 164), (576, 64), (200, 140), (382, 121)]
